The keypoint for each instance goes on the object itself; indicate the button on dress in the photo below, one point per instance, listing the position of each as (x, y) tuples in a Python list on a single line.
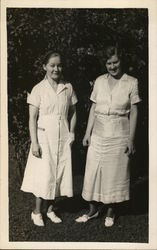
[(107, 176), (51, 175)]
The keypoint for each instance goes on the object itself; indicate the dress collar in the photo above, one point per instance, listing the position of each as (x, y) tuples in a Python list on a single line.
[(123, 78), (61, 86)]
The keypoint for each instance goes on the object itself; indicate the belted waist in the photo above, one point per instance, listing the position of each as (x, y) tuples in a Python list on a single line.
[(55, 116), (59, 117), (111, 115), (45, 122)]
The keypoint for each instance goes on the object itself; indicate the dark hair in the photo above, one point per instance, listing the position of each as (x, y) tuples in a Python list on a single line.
[(112, 50), (49, 55)]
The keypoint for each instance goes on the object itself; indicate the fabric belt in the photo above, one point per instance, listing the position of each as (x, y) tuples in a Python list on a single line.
[(57, 116), (111, 115)]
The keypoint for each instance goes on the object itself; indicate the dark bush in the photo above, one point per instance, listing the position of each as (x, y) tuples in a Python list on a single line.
[(33, 31)]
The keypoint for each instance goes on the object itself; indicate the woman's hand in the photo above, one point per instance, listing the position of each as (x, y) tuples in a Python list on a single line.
[(130, 149), (86, 140), (36, 150), (71, 138)]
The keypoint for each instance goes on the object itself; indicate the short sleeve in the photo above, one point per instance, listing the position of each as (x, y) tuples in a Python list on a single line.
[(93, 96), (73, 97), (34, 97), (134, 96)]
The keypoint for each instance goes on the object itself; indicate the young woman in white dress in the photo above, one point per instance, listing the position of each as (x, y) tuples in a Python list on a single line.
[(110, 135), (52, 119)]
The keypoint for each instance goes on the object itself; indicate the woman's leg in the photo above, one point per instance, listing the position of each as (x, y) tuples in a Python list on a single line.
[(50, 206), (110, 210), (93, 208), (51, 214), (38, 203), (36, 214), (93, 212), (110, 216)]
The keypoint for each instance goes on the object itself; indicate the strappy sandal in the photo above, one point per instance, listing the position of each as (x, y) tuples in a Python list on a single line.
[(84, 218)]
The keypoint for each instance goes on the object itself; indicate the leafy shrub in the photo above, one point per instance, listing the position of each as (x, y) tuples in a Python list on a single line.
[(34, 31), (18, 131)]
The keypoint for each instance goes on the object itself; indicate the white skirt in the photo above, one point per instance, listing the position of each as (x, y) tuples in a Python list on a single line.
[(51, 175), (107, 176)]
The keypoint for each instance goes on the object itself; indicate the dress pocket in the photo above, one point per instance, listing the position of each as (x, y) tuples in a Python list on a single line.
[(41, 135), (42, 129)]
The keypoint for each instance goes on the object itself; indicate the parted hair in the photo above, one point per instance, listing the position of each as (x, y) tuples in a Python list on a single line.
[(112, 50), (49, 55)]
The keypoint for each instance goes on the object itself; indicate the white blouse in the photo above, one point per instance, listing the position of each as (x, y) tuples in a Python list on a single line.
[(119, 100)]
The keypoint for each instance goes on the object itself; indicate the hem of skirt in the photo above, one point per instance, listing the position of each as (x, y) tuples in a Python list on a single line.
[(100, 198), (47, 197)]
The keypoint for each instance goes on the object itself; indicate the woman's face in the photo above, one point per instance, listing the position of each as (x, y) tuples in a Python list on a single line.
[(113, 66), (54, 68)]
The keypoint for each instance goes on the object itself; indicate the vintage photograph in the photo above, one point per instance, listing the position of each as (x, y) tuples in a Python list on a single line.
[(90, 98), (78, 124)]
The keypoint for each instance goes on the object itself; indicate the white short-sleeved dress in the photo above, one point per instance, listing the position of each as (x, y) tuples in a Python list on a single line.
[(107, 167), (51, 175)]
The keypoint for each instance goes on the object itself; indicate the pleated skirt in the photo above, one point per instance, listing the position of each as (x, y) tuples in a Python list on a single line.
[(107, 176)]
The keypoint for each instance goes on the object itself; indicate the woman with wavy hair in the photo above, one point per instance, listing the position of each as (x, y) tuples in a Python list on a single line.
[(110, 136)]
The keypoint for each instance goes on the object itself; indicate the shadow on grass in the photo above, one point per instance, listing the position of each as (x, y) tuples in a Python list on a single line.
[(139, 201), (72, 205)]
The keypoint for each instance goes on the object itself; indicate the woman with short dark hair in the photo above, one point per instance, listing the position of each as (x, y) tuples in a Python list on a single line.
[(110, 135)]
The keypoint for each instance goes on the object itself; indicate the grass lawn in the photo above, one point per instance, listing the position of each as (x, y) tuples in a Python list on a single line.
[(131, 224)]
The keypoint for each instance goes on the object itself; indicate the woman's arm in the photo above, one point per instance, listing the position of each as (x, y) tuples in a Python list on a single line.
[(72, 122), (133, 122), (33, 114), (86, 139)]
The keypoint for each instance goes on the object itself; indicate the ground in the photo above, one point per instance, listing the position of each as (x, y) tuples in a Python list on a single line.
[(131, 224)]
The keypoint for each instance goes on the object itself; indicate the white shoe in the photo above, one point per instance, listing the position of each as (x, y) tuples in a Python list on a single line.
[(37, 219), (109, 221), (84, 218), (53, 217)]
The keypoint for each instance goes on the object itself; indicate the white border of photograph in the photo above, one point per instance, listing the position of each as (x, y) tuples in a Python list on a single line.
[(4, 230)]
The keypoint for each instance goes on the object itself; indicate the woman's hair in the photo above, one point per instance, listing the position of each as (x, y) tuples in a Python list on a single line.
[(112, 50), (49, 55)]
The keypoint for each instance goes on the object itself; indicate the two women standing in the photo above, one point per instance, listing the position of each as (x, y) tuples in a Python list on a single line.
[(110, 136)]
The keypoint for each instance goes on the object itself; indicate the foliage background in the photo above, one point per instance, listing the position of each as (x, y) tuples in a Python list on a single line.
[(31, 32)]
